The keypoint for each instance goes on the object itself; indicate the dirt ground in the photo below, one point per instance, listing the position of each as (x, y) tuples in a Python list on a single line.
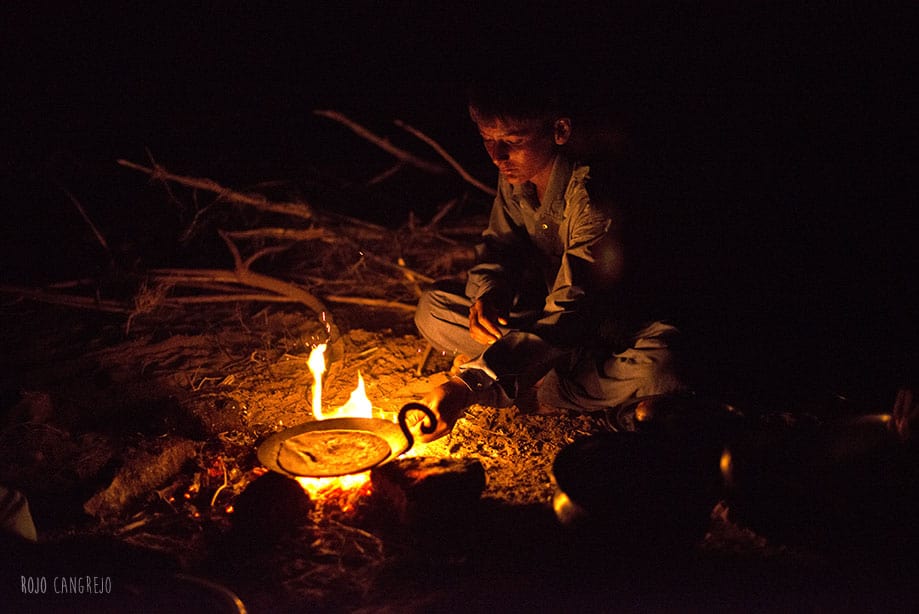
[(88, 398), (133, 412)]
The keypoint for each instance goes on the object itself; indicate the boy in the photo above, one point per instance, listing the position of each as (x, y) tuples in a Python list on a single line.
[(544, 279)]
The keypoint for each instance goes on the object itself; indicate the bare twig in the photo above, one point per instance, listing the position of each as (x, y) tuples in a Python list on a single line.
[(409, 274), (81, 302), (441, 213), (169, 193), (291, 234), (276, 249), (192, 227), (467, 231), (381, 177), (443, 154), (401, 154), (99, 237), (370, 302), (222, 486), (256, 280), (226, 298), (72, 283), (300, 210)]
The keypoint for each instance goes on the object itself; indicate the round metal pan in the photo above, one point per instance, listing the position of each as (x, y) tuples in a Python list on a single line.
[(341, 446)]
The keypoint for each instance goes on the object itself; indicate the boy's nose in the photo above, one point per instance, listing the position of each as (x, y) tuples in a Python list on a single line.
[(498, 152)]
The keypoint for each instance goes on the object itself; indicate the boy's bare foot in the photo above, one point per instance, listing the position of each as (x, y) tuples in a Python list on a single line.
[(458, 361)]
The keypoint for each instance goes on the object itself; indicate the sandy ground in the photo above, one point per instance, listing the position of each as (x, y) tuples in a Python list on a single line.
[(85, 397)]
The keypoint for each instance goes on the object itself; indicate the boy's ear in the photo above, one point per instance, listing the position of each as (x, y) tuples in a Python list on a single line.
[(562, 130)]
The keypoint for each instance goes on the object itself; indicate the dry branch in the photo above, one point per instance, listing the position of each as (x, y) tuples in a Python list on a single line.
[(358, 227), (240, 283), (300, 210), (370, 302), (401, 154), (54, 298), (287, 234), (98, 234), (381, 177), (411, 276), (443, 154), (227, 298), (441, 213), (243, 276)]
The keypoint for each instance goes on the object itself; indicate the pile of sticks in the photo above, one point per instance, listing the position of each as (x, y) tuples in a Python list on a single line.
[(309, 230)]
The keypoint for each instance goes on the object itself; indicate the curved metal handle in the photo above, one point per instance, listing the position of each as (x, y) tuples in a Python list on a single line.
[(427, 427)]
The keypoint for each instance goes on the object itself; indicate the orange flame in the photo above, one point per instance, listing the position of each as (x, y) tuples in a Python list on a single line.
[(316, 363), (358, 406)]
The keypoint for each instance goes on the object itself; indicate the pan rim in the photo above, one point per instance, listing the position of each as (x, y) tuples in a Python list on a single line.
[(390, 432)]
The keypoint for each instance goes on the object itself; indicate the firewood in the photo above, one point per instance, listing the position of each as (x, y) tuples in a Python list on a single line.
[(142, 471), (293, 209), (364, 133), (446, 156), (270, 507), (420, 490)]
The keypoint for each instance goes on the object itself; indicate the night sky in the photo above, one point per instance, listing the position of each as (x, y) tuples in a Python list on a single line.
[(779, 130)]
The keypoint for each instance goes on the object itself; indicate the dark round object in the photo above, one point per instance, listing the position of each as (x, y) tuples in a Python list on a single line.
[(638, 488), (846, 487), (270, 507)]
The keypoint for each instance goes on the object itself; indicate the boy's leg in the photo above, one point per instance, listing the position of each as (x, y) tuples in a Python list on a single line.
[(15, 517), (442, 317), (645, 369)]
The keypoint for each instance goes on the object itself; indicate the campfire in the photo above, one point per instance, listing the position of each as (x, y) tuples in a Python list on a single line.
[(348, 487)]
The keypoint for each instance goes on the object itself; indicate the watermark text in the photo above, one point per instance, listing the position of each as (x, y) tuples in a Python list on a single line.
[(66, 585)]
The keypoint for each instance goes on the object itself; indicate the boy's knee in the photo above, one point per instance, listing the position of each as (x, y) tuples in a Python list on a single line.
[(424, 312)]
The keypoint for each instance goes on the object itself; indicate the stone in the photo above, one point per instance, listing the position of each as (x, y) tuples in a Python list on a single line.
[(421, 490)]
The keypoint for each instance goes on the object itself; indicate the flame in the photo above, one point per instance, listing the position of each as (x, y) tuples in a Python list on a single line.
[(358, 406), (727, 466), (316, 364), (343, 491)]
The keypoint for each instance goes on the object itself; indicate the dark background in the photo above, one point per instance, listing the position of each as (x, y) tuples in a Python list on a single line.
[(775, 138)]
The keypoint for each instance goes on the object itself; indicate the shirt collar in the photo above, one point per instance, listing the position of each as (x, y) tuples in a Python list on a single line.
[(555, 189), (558, 180)]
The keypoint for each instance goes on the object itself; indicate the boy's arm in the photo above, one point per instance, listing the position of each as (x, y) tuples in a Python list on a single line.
[(591, 264), (497, 256)]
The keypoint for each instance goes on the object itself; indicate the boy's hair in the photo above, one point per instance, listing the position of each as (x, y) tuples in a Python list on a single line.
[(521, 94)]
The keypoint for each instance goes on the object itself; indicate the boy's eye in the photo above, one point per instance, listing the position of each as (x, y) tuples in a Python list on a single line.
[(508, 142)]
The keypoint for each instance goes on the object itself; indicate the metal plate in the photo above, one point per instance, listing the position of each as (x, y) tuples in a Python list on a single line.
[(335, 447)]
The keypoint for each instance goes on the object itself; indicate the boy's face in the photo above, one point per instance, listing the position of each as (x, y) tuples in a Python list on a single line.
[(523, 150)]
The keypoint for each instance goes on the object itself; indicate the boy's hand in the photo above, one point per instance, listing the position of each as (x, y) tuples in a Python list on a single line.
[(448, 401), (484, 322)]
